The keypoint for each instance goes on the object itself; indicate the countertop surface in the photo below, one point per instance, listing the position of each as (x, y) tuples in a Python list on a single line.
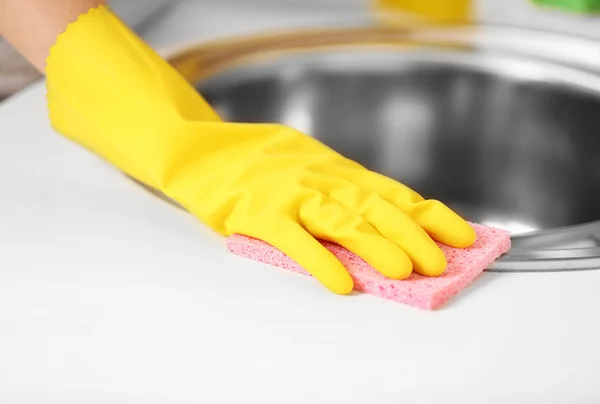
[(107, 294)]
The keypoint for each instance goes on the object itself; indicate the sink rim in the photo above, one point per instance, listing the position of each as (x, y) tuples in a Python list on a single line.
[(538, 251)]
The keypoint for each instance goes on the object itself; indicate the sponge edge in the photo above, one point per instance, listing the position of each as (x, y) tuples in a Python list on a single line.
[(464, 266)]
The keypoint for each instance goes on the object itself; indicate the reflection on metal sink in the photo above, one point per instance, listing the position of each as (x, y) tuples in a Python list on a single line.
[(507, 136)]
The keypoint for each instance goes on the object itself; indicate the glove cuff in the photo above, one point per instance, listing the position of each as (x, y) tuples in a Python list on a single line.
[(110, 92)]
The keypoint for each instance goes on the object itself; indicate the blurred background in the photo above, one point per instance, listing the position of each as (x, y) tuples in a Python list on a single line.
[(154, 18)]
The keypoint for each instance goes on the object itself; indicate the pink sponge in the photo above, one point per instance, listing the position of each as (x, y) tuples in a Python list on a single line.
[(464, 265)]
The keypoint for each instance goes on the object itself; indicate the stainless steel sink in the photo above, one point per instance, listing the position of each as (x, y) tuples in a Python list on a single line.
[(506, 132)]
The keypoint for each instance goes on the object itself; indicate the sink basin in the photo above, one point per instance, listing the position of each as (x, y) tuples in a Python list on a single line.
[(505, 131)]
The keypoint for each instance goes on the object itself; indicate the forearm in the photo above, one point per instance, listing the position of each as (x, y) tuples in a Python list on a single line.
[(32, 26)]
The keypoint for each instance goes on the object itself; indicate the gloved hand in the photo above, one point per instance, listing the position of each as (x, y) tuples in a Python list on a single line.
[(111, 93)]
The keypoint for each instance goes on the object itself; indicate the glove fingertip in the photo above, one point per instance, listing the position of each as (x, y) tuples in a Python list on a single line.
[(342, 285), (465, 236), (435, 265), (331, 273), (443, 224), (311, 255), (457, 233)]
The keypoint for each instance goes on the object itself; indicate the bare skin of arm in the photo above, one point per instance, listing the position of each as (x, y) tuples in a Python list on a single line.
[(32, 26)]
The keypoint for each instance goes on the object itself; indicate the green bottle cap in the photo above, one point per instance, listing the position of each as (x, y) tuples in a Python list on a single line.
[(578, 6)]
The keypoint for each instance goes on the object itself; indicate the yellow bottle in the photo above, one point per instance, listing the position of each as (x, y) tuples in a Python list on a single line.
[(443, 11)]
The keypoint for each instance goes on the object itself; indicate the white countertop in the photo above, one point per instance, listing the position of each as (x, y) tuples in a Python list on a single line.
[(110, 295)]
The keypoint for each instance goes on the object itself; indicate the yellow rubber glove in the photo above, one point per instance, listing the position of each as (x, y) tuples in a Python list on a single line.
[(108, 91)]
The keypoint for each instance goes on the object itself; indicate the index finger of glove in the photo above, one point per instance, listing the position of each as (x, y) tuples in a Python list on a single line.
[(294, 241)]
